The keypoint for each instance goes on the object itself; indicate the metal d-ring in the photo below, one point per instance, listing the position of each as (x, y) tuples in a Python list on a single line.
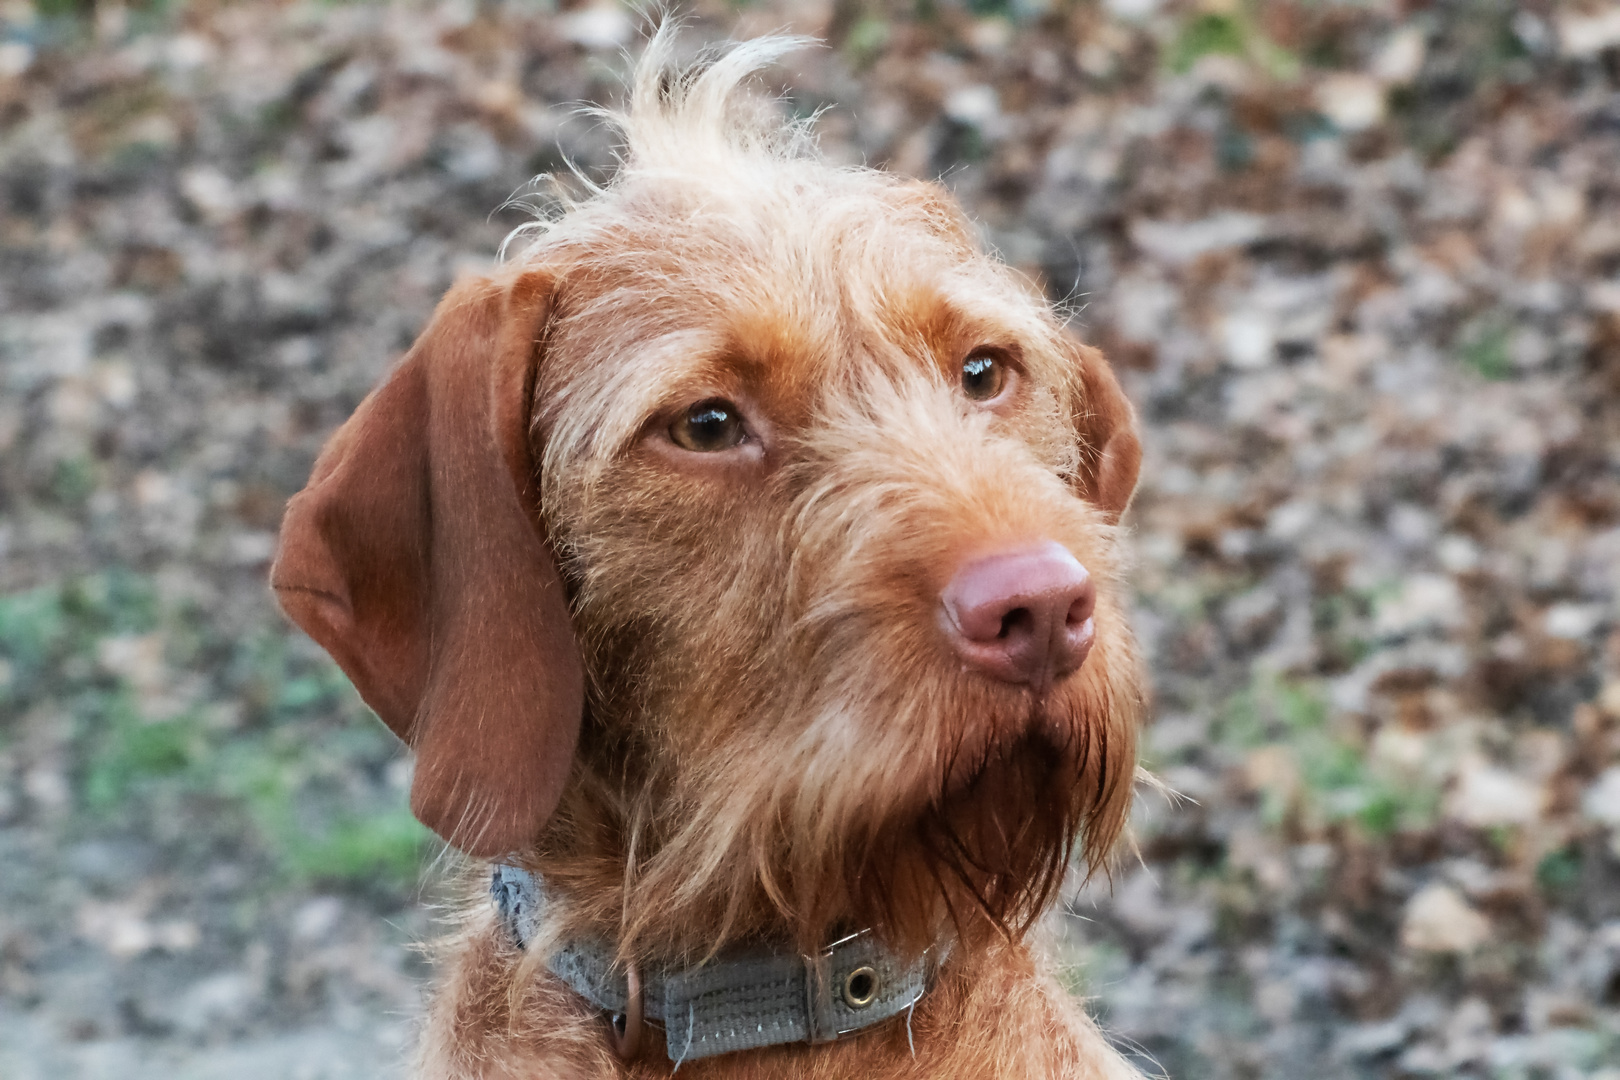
[(624, 1029)]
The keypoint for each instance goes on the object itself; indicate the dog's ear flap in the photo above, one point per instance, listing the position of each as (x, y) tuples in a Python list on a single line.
[(1110, 448), (417, 557)]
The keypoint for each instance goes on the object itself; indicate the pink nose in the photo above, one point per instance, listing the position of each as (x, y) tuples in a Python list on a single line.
[(1022, 616)]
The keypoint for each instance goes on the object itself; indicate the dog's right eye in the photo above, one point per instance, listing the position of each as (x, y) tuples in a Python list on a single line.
[(707, 427)]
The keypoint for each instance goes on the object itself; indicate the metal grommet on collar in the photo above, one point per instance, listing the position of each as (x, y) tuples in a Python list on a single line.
[(625, 1028), (861, 987)]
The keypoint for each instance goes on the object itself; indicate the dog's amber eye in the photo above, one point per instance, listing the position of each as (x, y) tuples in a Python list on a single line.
[(983, 376), (708, 426)]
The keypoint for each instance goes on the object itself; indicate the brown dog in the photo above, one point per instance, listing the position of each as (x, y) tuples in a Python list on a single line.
[(740, 563)]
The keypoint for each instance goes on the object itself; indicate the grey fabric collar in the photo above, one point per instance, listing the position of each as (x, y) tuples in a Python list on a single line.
[(741, 1000)]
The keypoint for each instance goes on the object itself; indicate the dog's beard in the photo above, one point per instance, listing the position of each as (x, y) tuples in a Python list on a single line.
[(990, 850)]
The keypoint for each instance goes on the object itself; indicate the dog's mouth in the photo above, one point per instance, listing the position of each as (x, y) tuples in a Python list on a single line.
[(1016, 779), (1039, 727)]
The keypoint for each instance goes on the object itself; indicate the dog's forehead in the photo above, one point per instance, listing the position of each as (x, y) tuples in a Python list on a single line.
[(776, 298)]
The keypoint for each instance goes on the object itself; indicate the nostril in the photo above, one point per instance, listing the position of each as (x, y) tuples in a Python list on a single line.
[(1080, 610), (1018, 620)]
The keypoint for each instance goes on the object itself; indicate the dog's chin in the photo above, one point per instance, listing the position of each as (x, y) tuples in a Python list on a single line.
[(989, 850)]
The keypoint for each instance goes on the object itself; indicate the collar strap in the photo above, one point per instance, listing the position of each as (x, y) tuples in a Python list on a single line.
[(741, 1000)]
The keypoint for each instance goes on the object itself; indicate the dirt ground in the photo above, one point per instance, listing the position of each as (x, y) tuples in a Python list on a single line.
[(1359, 264)]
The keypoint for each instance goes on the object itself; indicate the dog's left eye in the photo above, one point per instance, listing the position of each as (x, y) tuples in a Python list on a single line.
[(984, 376), (707, 427)]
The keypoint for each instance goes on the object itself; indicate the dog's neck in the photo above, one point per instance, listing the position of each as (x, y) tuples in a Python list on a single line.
[(613, 878), (586, 900)]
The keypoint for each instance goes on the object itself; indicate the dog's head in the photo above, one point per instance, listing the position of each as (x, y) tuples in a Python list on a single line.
[(802, 502)]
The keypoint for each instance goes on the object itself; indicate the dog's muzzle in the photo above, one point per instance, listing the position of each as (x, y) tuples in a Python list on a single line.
[(741, 1000)]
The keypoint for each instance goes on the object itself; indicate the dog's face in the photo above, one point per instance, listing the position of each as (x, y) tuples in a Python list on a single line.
[(831, 497)]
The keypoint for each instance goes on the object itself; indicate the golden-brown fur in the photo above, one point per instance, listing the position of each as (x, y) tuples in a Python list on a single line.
[(777, 740)]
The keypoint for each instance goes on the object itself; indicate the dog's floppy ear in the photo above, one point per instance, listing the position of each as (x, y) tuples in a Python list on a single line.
[(1110, 449), (416, 556)]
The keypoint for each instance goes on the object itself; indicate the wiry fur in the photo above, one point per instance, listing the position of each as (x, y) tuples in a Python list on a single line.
[(778, 741)]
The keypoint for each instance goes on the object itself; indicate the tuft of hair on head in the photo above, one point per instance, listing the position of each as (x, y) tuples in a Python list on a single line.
[(685, 119), (686, 122)]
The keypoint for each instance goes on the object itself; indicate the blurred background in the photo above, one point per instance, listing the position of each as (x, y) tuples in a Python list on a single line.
[(1358, 263)]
